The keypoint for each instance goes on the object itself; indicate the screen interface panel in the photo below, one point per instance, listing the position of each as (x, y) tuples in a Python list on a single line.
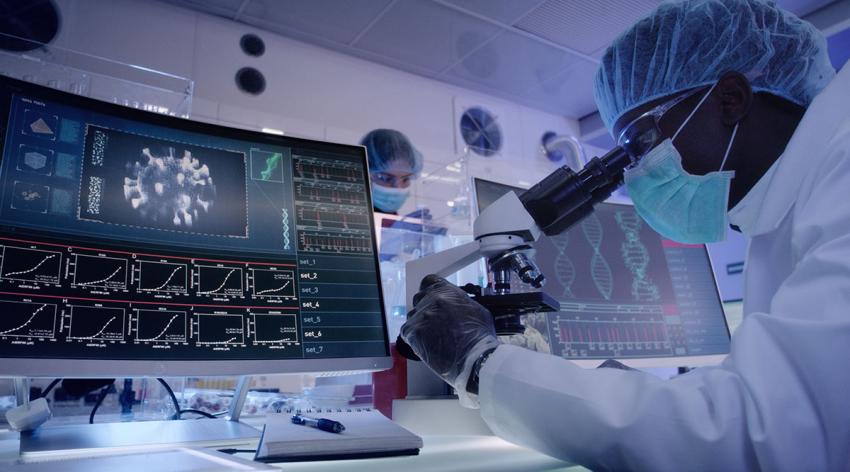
[(133, 236), (625, 292)]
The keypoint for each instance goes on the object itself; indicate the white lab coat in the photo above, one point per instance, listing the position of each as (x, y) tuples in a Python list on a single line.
[(781, 399)]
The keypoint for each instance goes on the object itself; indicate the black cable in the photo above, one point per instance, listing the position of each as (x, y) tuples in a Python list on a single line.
[(100, 397), (197, 412), (237, 451), (167, 387), (178, 413), (49, 387)]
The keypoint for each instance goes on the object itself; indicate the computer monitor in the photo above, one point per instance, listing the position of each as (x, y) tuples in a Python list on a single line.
[(133, 243), (625, 292)]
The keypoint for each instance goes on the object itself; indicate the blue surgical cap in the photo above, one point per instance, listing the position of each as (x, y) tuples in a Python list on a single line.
[(692, 43), (385, 146)]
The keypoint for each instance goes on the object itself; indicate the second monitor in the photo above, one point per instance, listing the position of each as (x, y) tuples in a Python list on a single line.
[(625, 292)]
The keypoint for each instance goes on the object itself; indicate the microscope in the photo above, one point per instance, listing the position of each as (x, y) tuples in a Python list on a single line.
[(506, 231)]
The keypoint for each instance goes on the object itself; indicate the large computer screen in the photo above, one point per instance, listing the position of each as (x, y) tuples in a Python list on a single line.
[(136, 243), (625, 292)]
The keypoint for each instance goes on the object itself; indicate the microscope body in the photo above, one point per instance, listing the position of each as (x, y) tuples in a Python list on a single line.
[(503, 227), (504, 236), (505, 233)]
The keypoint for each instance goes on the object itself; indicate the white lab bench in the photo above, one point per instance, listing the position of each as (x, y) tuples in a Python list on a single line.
[(454, 439), (448, 453)]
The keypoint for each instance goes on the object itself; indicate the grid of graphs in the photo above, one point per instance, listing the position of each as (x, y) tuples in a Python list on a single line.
[(152, 300)]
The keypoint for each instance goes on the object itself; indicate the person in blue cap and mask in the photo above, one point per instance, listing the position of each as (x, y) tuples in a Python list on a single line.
[(757, 135), (393, 164)]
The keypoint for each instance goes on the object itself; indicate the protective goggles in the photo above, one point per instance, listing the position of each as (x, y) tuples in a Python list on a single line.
[(643, 133), (390, 180)]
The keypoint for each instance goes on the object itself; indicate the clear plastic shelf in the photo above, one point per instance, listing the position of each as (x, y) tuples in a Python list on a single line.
[(100, 78)]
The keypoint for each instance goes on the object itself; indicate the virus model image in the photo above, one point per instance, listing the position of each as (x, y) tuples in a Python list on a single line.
[(168, 188)]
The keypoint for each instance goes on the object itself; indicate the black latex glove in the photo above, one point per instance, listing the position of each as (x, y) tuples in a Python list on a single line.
[(449, 331)]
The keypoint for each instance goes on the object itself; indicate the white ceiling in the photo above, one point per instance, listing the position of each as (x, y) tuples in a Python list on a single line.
[(540, 53)]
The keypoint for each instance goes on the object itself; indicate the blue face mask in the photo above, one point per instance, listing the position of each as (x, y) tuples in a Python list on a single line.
[(389, 199), (680, 206)]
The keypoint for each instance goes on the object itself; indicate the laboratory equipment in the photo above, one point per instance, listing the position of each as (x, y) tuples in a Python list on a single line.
[(625, 292), (505, 233), (562, 148), (138, 244)]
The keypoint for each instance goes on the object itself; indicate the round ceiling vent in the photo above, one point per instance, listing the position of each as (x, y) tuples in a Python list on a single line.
[(27, 25), (252, 45), (250, 80), (481, 131)]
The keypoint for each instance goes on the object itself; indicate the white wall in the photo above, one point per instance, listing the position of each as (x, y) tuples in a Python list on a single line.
[(311, 92)]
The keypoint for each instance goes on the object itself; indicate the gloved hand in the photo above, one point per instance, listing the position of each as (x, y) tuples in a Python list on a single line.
[(449, 331)]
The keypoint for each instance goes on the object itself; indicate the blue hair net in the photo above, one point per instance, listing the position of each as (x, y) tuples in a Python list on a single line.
[(385, 146), (692, 43)]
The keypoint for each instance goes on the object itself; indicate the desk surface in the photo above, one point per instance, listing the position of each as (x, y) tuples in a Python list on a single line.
[(455, 439), (447, 453), (444, 453)]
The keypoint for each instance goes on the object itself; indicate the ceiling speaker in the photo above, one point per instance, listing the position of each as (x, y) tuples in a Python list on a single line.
[(250, 80), (27, 25)]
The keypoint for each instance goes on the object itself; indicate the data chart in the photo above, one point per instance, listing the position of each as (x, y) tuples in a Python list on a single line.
[(102, 272), (31, 265), (220, 330), (272, 283), (219, 281), (27, 319), (275, 328), (157, 276), (167, 326), (90, 323)]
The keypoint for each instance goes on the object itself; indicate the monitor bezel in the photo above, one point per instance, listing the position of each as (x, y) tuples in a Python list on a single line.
[(636, 362), (87, 367)]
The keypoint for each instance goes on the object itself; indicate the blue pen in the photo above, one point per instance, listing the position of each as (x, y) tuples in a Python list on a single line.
[(324, 424)]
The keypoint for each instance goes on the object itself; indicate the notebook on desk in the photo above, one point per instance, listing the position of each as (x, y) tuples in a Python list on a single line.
[(367, 433)]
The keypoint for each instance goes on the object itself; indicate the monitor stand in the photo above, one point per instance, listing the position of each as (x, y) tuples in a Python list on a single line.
[(55, 442)]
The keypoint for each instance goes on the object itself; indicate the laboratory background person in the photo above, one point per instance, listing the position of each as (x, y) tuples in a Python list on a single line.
[(757, 128), (393, 164)]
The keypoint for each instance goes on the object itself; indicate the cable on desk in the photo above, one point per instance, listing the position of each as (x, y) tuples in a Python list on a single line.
[(100, 397), (49, 387), (197, 412), (168, 389), (178, 413)]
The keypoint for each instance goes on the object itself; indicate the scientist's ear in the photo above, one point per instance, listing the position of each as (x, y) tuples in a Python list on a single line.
[(736, 97)]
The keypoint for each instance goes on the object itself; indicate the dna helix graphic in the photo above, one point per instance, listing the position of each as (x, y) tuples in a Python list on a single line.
[(636, 257), (565, 270), (285, 215), (600, 271)]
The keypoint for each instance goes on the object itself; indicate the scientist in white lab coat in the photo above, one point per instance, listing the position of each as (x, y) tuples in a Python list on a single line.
[(759, 124)]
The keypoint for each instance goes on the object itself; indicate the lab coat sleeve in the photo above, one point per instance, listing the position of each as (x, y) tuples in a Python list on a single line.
[(778, 402)]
